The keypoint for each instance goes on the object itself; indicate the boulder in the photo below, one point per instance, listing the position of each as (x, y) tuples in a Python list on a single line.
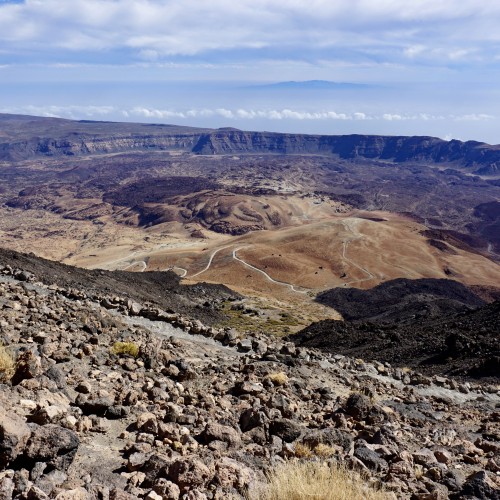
[(217, 432), (371, 459), (14, 434), (189, 473), (479, 486), (28, 366), (330, 437), (231, 474), (52, 444), (287, 430)]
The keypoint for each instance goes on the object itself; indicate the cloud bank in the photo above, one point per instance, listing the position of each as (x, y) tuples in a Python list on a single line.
[(385, 30), (105, 112)]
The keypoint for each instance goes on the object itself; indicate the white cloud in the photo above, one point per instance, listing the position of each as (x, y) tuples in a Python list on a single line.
[(474, 117), (140, 113), (152, 29), (72, 112)]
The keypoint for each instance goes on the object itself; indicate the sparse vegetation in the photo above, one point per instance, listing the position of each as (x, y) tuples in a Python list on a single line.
[(317, 481), (7, 364), (125, 348), (278, 378), (324, 451), (261, 318), (303, 451)]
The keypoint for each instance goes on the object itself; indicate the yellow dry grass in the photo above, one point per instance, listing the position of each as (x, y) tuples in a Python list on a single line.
[(126, 348), (7, 364), (278, 378), (317, 481)]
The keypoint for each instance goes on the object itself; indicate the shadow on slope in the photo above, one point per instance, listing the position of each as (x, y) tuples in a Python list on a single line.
[(434, 326), (401, 300)]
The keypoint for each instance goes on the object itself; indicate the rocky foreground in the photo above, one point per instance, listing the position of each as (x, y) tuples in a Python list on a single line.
[(115, 399)]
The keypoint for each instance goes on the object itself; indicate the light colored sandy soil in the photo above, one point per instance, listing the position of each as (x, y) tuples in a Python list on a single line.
[(282, 268)]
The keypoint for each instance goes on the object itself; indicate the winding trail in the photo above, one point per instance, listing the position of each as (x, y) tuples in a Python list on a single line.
[(345, 245), (284, 283), (250, 266), (207, 267), (142, 262), (171, 268), (184, 271)]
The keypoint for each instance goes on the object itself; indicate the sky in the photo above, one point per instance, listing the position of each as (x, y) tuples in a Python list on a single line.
[(420, 67)]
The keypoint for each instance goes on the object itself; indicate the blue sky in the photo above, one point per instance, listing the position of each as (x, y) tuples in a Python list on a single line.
[(429, 67)]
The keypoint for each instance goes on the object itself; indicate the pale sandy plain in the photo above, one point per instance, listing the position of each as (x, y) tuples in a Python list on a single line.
[(281, 269)]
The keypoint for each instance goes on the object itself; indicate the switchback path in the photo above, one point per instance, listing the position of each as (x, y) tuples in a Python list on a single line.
[(345, 245), (207, 267), (284, 283)]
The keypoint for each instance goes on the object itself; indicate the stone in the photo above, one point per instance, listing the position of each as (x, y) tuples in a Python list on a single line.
[(84, 387), (76, 494), (28, 366), (35, 493), (231, 474), (6, 488), (358, 406), (330, 437), (401, 469), (119, 494), (167, 489), (217, 432), (147, 422), (152, 495), (55, 374), (96, 404), (371, 459), (48, 414), (424, 457), (479, 486), (14, 434), (246, 387), (136, 461), (443, 456), (52, 444), (250, 419), (287, 430), (488, 446), (189, 473)]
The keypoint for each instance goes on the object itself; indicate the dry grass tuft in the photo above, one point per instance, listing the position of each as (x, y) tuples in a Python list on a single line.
[(125, 348), (317, 481), (302, 451), (278, 378), (7, 364), (321, 450), (325, 451)]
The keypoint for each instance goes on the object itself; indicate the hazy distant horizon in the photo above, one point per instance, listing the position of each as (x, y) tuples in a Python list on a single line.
[(374, 110), (422, 68)]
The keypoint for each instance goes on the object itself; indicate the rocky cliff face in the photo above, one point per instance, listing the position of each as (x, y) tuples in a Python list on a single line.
[(85, 145), (21, 138), (399, 149)]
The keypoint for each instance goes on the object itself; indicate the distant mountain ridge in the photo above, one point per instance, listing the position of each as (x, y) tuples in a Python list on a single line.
[(22, 138), (312, 85)]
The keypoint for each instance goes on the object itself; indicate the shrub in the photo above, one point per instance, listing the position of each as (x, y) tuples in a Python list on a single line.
[(317, 481), (324, 451), (278, 378), (302, 451), (7, 364), (125, 348)]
